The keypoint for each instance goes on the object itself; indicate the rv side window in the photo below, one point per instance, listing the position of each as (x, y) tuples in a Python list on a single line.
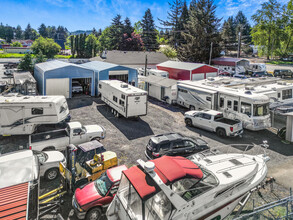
[(279, 95), (121, 102), (115, 99), (122, 96), (208, 98), (100, 86), (246, 108), (182, 90), (221, 102), (37, 111), (235, 106), (229, 104), (287, 94)]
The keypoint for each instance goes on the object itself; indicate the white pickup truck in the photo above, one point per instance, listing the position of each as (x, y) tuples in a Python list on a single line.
[(214, 121), (75, 133)]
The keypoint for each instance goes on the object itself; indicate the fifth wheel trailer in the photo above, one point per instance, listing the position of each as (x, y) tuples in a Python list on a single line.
[(124, 99), (20, 115)]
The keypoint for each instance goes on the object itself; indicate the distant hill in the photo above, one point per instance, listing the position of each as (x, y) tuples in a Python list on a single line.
[(81, 32)]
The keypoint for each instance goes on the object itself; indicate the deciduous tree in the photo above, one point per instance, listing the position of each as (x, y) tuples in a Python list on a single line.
[(47, 46)]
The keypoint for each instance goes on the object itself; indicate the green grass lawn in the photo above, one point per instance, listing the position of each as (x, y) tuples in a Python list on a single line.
[(278, 62), (17, 55)]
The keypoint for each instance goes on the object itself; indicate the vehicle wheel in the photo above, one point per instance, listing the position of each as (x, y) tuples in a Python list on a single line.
[(188, 122), (94, 214), (51, 174), (191, 107), (221, 132)]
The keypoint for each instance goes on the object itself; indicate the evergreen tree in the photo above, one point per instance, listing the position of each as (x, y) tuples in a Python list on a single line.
[(77, 45), (72, 46), (40, 58), (201, 31), (149, 34), (182, 23), (18, 32), (91, 46), (9, 33), (127, 28), (28, 32), (43, 31), (174, 21), (116, 32), (228, 34), (94, 32), (100, 32), (26, 63), (61, 33), (51, 32)]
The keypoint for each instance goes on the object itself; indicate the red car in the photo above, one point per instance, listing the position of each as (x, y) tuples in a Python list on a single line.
[(89, 201)]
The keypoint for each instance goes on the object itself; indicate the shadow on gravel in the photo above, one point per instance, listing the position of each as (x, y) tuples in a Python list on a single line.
[(13, 143), (172, 108), (250, 137), (131, 128), (78, 102)]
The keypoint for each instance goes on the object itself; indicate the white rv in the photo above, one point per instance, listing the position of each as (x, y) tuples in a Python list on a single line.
[(124, 99), (252, 109), (256, 67), (21, 115), (231, 69), (156, 72)]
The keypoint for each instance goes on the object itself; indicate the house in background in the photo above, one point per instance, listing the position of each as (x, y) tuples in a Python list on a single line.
[(132, 59), (187, 71), (20, 50), (24, 43)]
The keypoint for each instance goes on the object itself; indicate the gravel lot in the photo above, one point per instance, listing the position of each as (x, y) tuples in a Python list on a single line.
[(128, 139)]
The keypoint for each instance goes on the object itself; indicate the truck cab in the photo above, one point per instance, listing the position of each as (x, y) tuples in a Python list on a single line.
[(90, 201)]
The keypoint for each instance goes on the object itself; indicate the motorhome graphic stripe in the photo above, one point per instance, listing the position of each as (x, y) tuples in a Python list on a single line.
[(23, 121)]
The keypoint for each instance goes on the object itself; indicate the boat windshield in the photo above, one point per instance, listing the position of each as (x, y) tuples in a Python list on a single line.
[(190, 188), (261, 109), (103, 184), (129, 198)]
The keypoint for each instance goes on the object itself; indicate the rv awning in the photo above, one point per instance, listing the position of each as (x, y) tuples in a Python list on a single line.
[(160, 81)]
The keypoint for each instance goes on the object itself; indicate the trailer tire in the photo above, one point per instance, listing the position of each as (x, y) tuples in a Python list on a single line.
[(188, 122), (94, 214), (191, 107), (51, 174), (221, 132), (49, 148)]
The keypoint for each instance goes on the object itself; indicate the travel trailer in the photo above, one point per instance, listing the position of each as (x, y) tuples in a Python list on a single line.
[(21, 115), (232, 69), (156, 72), (256, 67), (198, 187), (124, 99), (250, 108)]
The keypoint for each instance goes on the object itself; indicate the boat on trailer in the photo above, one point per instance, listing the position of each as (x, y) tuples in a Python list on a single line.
[(198, 187)]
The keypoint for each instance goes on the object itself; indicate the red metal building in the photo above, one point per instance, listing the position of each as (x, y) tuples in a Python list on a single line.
[(230, 61), (187, 71)]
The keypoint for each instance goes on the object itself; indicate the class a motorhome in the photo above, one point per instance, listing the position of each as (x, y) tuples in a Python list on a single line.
[(238, 104), (279, 92), (124, 99), (20, 115)]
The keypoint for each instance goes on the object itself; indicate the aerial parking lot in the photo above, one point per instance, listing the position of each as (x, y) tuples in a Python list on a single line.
[(128, 138)]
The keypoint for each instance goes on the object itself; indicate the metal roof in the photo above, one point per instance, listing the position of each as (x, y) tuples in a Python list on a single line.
[(160, 81), (88, 146), (181, 65), (228, 59), (56, 64), (133, 57), (99, 65)]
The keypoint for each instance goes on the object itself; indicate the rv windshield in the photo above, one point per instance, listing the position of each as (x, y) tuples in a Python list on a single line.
[(63, 107), (129, 198), (261, 109)]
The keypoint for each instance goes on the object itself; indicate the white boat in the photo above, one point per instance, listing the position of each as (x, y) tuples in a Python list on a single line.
[(198, 187)]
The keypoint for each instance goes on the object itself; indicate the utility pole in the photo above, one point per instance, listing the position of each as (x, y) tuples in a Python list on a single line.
[(145, 64), (211, 51), (239, 44)]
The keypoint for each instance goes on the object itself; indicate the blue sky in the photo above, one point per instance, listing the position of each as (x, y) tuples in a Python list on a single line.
[(86, 14)]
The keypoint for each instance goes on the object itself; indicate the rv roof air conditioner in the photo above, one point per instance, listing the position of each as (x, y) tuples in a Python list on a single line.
[(124, 85), (282, 83)]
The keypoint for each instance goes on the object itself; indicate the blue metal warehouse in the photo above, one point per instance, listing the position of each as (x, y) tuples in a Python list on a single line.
[(55, 78), (105, 71)]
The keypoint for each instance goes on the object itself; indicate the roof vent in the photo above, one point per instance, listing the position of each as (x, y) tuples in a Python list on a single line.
[(274, 89), (124, 85), (211, 78), (248, 92), (228, 175), (149, 166)]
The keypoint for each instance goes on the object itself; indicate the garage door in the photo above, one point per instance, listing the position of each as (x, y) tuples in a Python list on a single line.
[(214, 74), (197, 76), (58, 87)]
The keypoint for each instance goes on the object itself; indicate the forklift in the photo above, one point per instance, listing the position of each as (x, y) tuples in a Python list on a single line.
[(85, 163)]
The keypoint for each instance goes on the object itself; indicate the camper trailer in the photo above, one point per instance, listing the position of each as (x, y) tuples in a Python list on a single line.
[(256, 67), (124, 99), (252, 109), (156, 72), (23, 114)]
